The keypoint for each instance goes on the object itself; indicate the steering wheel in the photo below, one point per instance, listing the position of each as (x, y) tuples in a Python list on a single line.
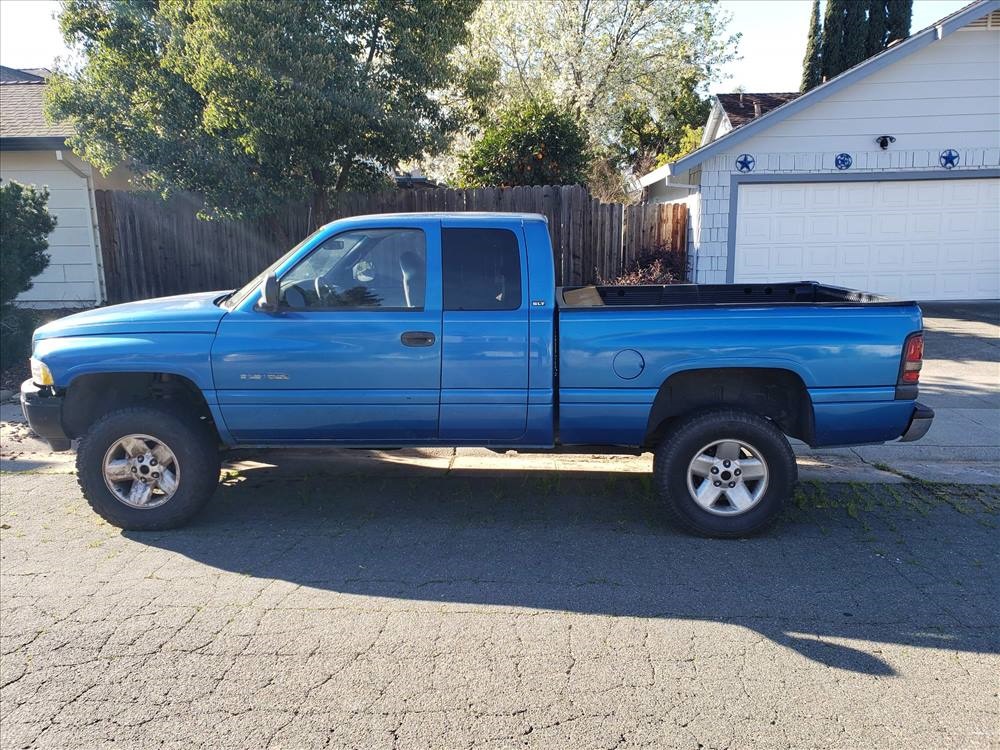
[(323, 290)]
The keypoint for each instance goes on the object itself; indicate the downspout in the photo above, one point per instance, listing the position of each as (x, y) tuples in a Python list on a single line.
[(95, 233)]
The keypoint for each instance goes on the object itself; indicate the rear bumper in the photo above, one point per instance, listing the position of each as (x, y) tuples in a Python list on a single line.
[(920, 422), (43, 410)]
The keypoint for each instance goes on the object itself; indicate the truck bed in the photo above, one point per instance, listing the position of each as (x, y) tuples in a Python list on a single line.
[(676, 295), (618, 346)]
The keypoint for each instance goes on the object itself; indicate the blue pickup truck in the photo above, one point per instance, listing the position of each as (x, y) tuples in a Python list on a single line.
[(448, 330)]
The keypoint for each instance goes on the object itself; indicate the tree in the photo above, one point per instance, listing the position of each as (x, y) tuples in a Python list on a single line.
[(854, 30), (833, 39), (630, 70), (899, 15), (25, 225), (254, 104), (855, 33), (642, 134), (877, 24), (690, 140), (812, 71), (530, 143)]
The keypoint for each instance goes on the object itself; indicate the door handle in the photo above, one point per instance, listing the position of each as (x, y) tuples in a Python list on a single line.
[(417, 338)]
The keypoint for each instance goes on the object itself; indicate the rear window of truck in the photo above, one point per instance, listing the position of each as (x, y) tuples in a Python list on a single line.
[(481, 269)]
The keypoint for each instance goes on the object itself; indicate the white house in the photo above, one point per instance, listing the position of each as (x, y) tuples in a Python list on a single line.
[(33, 152), (885, 178)]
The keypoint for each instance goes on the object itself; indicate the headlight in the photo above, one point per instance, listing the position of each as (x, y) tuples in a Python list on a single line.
[(40, 373)]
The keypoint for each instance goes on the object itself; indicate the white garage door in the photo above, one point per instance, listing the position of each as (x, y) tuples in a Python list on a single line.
[(919, 239)]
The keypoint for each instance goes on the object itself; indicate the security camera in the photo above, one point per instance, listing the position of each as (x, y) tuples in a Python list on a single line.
[(883, 141)]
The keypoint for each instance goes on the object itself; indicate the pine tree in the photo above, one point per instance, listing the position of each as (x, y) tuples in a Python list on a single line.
[(812, 72), (875, 40), (899, 13), (854, 30), (833, 38), (855, 33)]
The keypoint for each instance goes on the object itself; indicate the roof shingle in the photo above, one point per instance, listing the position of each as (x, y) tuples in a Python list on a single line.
[(742, 108), (21, 107)]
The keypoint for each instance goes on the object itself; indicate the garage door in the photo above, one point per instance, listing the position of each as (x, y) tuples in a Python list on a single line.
[(919, 239)]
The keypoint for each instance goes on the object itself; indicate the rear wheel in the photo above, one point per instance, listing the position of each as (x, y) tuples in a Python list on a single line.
[(145, 468), (724, 473)]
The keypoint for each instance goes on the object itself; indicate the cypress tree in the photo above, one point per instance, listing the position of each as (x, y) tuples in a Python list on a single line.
[(833, 38), (899, 13), (875, 40), (855, 33), (812, 72)]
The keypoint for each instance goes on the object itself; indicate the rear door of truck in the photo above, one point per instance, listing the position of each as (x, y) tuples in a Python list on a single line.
[(484, 365)]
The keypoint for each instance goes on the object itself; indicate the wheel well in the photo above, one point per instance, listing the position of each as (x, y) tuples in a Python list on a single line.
[(89, 397), (780, 395)]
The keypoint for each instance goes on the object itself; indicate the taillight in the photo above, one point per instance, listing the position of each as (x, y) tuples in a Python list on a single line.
[(913, 359)]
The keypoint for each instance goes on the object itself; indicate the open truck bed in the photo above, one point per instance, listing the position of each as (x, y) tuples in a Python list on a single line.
[(673, 295), (621, 348)]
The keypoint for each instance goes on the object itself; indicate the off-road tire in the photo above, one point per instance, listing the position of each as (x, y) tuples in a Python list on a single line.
[(682, 443), (193, 442)]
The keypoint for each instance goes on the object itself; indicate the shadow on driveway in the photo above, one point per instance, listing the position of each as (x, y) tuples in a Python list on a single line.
[(912, 565)]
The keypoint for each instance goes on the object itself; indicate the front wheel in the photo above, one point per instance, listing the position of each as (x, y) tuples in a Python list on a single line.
[(724, 473), (145, 468)]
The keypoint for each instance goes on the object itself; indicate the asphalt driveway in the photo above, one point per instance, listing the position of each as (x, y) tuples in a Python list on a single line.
[(542, 610)]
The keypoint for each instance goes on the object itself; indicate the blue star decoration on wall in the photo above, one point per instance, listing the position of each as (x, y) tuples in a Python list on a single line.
[(949, 158), (843, 161), (745, 163)]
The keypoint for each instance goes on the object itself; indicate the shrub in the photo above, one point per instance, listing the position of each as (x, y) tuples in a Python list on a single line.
[(16, 327), (25, 225), (662, 265), (530, 143)]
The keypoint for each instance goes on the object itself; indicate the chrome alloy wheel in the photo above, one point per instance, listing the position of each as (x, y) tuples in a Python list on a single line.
[(141, 471), (727, 477)]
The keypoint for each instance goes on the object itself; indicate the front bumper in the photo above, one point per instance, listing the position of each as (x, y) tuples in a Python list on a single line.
[(920, 422), (43, 410)]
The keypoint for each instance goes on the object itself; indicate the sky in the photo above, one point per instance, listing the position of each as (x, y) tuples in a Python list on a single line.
[(771, 49), (774, 40)]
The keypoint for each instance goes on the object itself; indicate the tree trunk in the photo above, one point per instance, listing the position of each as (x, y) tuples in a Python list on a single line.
[(345, 171), (320, 208), (277, 227)]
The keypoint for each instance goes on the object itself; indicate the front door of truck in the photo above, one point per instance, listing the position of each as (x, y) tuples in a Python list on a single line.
[(484, 369), (352, 354)]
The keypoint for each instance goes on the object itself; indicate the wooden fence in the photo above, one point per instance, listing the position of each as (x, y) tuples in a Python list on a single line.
[(152, 248)]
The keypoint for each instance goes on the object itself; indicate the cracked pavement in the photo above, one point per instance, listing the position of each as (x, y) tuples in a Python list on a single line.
[(398, 607)]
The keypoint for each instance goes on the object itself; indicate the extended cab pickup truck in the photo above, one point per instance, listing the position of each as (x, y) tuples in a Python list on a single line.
[(448, 330)]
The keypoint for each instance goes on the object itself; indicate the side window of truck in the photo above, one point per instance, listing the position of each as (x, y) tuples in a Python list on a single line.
[(481, 269), (365, 268)]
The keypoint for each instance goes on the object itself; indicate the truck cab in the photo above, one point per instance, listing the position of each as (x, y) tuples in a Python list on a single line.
[(410, 328)]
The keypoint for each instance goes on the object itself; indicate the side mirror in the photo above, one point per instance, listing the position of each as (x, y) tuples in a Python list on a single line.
[(269, 294)]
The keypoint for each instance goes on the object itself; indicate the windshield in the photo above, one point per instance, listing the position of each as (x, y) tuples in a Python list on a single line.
[(245, 291)]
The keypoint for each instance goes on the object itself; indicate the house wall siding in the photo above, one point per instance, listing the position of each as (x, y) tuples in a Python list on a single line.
[(71, 278), (951, 86), (946, 95)]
